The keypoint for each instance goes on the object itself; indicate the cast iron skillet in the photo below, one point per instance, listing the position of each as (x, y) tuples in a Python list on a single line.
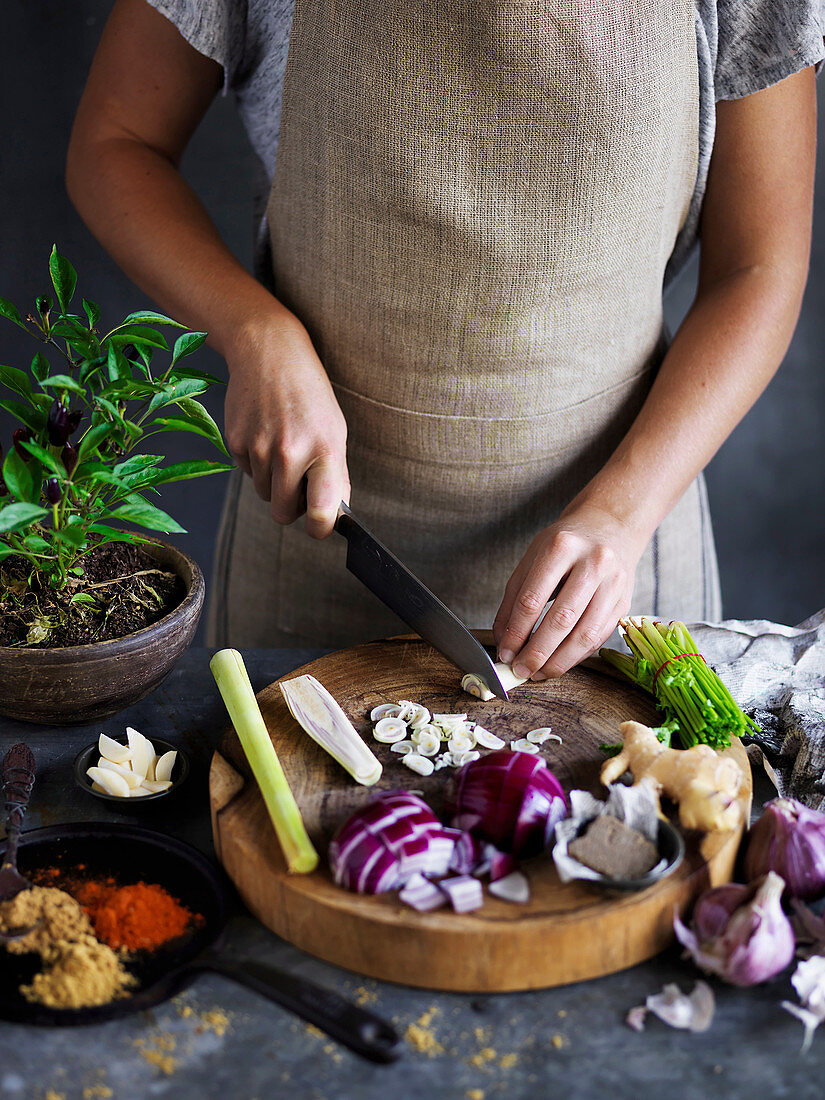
[(129, 854)]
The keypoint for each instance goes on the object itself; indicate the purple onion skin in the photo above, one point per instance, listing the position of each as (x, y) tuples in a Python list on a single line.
[(789, 838), (513, 799)]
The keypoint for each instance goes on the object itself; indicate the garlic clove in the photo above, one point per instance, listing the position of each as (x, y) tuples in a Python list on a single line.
[(142, 752), (164, 766), (110, 781), (112, 750), (124, 772)]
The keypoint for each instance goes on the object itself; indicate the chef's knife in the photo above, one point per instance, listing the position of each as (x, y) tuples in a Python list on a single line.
[(381, 571)]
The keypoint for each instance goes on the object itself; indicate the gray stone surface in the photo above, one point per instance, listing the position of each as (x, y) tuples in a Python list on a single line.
[(570, 1042)]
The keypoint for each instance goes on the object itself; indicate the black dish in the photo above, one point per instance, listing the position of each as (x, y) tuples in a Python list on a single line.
[(671, 847), (88, 758), (130, 854)]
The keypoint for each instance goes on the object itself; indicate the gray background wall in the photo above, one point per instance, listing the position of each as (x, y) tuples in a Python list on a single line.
[(766, 484)]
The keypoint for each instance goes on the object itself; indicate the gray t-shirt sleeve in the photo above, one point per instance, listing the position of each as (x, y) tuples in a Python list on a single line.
[(215, 28), (763, 41)]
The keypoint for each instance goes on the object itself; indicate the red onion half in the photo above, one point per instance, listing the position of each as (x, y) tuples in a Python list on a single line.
[(510, 798), (389, 840), (789, 838)]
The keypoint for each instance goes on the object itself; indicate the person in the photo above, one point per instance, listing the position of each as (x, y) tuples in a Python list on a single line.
[(471, 211)]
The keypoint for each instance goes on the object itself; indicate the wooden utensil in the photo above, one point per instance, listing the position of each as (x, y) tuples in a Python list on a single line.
[(567, 932), (17, 773)]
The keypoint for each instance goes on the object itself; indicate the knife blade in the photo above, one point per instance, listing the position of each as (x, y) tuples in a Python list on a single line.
[(392, 582)]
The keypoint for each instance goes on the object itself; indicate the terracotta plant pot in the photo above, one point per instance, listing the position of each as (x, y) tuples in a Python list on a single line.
[(79, 684)]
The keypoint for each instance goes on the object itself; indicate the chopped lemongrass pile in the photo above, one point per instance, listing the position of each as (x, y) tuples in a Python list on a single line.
[(319, 715), (133, 770), (233, 683), (664, 660)]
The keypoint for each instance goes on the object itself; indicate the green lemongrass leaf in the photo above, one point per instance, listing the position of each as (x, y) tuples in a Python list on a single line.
[(16, 380), (40, 366), (10, 311), (46, 457), (31, 416), (15, 517), (92, 311), (21, 478), (182, 471), (187, 344), (233, 683), (64, 278), (137, 510), (62, 382), (150, 317)]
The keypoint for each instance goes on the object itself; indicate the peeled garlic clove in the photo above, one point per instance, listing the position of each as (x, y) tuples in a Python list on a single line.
[(124, 772), (388, 730), (110, 781), (142, 752), (164, 766), (149, 786), (112, 750)]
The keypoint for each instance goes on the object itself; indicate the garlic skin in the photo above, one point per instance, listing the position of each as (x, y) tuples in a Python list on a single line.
[(789, 838), (755, 943)]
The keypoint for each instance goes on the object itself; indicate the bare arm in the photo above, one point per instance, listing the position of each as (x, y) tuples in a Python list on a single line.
[(756, 231), (283, 423)]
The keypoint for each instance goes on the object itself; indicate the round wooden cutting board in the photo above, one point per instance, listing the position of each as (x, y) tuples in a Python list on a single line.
[(565, 933)]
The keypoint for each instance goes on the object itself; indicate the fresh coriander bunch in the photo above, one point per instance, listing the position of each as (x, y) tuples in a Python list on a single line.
[(73, 473)]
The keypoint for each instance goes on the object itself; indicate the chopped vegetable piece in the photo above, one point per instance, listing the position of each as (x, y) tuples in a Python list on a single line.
[(426, 741), (486, 739), (233, 683), (477, 686), (164, 765), (421, 894), (110, 781), (418, 763), (513, 887), (402, 746), (141, 750), (150, 786), (539, 736), (112, 750), (523, 745), (388, 730), (123, 771), (464, 892), (386, 710), (319, 715)]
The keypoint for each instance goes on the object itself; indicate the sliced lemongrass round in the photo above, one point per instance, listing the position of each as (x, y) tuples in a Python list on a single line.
[(486, 739), (459, 759), (449, 720), (542, 734), (164, 765), (414, 714), (427, 742), (112, 750), (402, 747), (122, 770), (388, 730), (110, 781), (523, 745), (385, 710), (476, 686), (417, 763), (461, 741)]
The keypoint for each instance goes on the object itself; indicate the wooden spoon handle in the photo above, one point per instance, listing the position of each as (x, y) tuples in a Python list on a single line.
[(17, 774)]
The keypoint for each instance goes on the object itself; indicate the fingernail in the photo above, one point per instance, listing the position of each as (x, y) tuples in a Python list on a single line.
[(521, 671), (506, 655), (538, 676)]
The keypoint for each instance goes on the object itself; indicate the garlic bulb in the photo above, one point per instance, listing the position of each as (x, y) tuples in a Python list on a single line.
[(753, 944), (789, 838)]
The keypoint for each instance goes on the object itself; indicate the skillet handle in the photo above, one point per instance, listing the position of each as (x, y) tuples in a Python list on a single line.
[(362, 1031)]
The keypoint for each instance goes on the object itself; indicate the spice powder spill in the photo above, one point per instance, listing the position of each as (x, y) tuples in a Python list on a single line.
[(140, 916), (79, 971)]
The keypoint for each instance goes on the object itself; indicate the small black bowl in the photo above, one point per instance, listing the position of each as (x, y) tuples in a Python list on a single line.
[(88, 758), (671, 847)]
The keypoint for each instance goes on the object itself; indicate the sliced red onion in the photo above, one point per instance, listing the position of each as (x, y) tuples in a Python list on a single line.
[(464, 892), (467, 854), (789, 838), (392, 838), (510, 798), (513, 887), (502, 864), (421, 894)]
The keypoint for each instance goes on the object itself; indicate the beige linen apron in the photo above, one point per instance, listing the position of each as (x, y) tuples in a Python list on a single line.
[(473, 206)]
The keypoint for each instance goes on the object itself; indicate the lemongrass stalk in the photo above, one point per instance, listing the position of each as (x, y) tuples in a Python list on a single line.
[(234, 685)]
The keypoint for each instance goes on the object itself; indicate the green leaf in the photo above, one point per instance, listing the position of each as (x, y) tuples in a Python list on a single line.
[(96, 435), (137, 510), (70, 536), (113, 534), (15, 379), (77, 337), (6, 551), (117, 364), (150, 317), (63, 382), (64, 278), (10, 311), (40, 366), (186, 344), (20, 478), (135, 464), (182, 471), (37, 544), (14, 517), (32, 417), (44, 456), (84, 598), (195, 419), (189, 372), (92, 311), (171, 394), (139, 334)]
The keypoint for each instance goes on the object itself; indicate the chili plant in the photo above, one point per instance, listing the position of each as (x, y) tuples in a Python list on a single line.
[(73, 472)]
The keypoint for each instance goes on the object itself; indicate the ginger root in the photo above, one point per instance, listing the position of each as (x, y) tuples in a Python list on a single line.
[(704, 783)]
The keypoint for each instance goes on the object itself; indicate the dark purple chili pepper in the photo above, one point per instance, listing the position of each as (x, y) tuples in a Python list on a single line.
[(59, 424), (74, 420), (130, 352), (52, 491), (44, 304), (68, 456), (22, 435)]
